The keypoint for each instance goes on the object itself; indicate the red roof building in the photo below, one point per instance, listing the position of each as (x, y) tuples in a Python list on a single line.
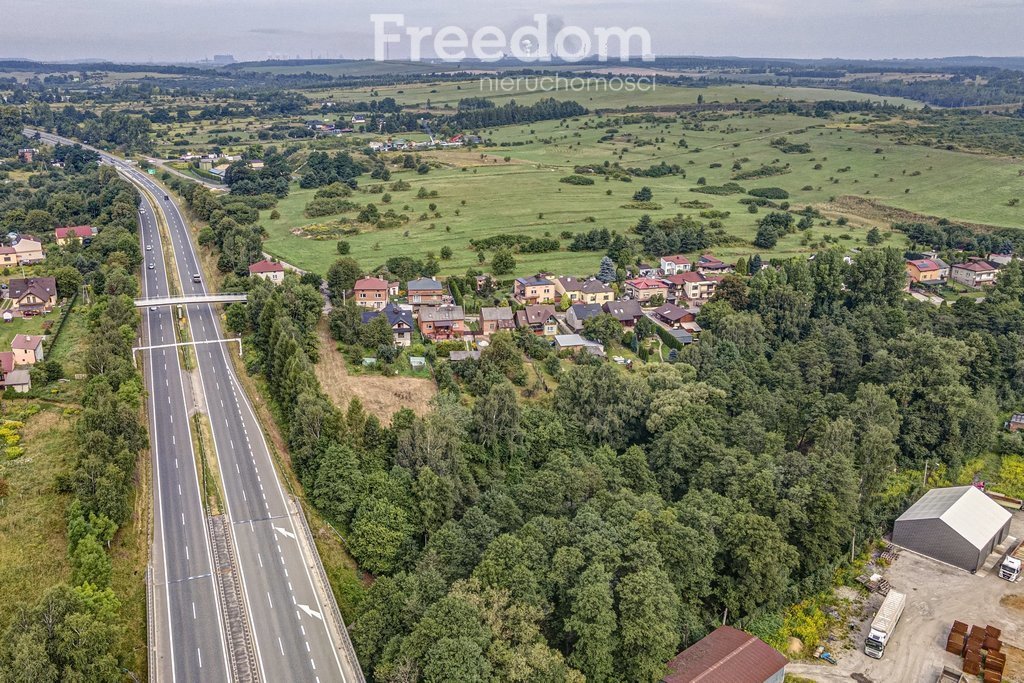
[(372, 292), (727, 655), (268, 270), (81, 232)]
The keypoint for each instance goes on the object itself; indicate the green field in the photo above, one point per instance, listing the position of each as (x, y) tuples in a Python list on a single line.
[(596, 95), (523, 195)]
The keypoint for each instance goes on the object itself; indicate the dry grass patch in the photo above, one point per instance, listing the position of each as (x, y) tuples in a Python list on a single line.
[(380, 396)]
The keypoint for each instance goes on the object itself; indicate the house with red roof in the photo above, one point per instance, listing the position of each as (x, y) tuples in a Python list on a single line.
[(268, 270), (727, 655), (27, 349), (708, 264), (927, 271), (644, 289), (692, 286), (82, 233), (372, 292), (975, 273)]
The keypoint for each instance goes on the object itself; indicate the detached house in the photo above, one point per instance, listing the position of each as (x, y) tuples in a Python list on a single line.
[(927, 271), (539, 319), (399, 319), (496, 319), (440, 323), (372, 292), (33, 295), (590, 291), (646, 288), (626, 312), (19, 380), (29, 250), (425, 291), (674, 316), (533, 290), (83, 233), (27, 349), (268, 270), (692, 286), (8, 256), (708, 264), (670, 265), (580, 313), (974, 273)]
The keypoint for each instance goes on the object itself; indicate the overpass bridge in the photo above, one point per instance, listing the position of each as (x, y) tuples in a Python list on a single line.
[(189, 300)]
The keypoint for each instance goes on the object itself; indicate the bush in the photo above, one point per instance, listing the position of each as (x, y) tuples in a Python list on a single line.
[(769, 193), (576, 180)]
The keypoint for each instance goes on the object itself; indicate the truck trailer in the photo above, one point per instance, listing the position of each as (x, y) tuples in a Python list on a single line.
[(884, 624), (1010, 568)]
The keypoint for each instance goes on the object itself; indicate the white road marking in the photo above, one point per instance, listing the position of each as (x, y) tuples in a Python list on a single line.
[(269, 600), (285, 532), (183, 519), (310, 612), (260, 558), (280, 644), (193, 610), (200, 653)]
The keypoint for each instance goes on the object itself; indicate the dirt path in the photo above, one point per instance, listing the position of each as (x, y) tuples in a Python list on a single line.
[(381, 396)]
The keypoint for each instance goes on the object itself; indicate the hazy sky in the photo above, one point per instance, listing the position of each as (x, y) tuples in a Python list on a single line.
[(188, 30)]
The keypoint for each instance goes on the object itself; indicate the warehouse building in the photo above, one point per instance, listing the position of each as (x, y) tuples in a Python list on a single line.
[(958, 525)]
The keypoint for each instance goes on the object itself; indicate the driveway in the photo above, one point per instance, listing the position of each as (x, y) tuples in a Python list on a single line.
[(937, 594)]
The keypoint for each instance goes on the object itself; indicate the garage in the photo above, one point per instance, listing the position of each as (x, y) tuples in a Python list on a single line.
[(958, 525)]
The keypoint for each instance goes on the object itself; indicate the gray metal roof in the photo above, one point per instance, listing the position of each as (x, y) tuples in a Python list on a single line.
[(964, 509)]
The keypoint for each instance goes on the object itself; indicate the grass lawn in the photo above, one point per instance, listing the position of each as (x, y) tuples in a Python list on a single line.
[(523, 195), (33, 528)]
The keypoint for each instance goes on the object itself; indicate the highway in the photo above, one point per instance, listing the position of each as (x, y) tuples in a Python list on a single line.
[(190, 645), (288, 621)]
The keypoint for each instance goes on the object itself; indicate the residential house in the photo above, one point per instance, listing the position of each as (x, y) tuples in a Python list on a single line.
[(670, 265), (927, 271), (400, 320), (440, 323), (590, 291), (682, 336), (539, 319), (644, 289), (647, 270), (8, 256), (674, 316), (372, 292), (626, 312), (358, 119), (32, 295), (708, 264), (425, 291), (974, 273), (26, 155), (83, 233), (27, 349), (29, 250), (573, 342), (19, 380), (694, 287), (1016, 423), (533, 290), (1000, 260), (727, 655), (496, 319), (268, 270), (256, 164), (580, 313)]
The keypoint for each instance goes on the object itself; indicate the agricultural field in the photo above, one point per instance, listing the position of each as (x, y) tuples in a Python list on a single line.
[(595, 95), (480, 193)]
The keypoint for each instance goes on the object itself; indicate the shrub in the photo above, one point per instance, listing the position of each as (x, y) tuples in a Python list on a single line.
[(576, 180)]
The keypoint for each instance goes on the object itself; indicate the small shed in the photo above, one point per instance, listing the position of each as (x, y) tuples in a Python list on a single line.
[(958, 525)]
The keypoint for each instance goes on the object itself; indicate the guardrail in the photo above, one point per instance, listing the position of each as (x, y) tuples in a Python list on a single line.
[(339, 622), (150, 626)]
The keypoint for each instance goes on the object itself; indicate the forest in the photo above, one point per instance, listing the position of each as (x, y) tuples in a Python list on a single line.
[(595, 530)]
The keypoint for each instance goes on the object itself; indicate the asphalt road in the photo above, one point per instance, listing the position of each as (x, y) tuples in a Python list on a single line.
[(190, 644), (290, 633)]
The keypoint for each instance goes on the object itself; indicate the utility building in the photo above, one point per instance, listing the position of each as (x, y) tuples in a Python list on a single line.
[(958, 525)]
